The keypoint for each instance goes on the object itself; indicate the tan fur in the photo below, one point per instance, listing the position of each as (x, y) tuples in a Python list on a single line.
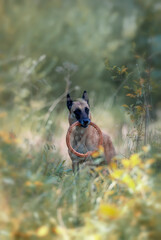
[(86, 139)]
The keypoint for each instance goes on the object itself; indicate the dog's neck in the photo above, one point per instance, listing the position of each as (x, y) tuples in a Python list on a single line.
[(79, 132)]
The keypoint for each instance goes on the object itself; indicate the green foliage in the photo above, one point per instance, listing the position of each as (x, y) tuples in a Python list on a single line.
[(138, 85)]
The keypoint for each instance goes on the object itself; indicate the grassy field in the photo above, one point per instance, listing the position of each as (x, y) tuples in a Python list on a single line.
[(42, 199), (111, 49)]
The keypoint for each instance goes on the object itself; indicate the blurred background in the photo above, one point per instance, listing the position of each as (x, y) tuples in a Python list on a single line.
[(51, 47), (111, 49)]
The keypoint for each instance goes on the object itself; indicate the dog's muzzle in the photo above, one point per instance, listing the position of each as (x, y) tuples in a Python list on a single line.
[(85, 122)]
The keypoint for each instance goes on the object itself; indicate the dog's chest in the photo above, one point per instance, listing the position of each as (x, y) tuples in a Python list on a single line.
[(84, 140)]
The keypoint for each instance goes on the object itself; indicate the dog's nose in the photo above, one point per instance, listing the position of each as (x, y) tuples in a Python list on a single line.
[(86, 122)]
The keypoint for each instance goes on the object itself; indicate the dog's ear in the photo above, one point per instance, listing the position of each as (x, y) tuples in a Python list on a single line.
[(69, 102), (85, 97)]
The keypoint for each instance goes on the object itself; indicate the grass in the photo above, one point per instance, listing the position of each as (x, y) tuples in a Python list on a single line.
[(42, 199)]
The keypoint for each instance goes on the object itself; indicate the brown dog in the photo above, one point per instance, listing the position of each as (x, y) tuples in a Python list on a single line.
[(85, 138)]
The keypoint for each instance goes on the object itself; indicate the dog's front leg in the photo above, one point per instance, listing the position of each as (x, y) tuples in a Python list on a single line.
[(75, 162)]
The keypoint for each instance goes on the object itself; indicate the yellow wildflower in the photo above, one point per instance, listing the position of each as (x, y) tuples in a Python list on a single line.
[(135, 160), (98, 153), (128, 181), (38, 183), (126, 162), (28, 183), (42, 231), (117, 173), (108, 210)]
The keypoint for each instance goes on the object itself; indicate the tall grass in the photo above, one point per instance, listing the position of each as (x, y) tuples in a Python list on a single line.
[(41, 198)]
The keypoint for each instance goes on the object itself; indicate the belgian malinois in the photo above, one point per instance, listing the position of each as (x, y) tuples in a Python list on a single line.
[(85, 137)]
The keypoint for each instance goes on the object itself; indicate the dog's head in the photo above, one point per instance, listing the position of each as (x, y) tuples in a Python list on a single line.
[(79, 110)]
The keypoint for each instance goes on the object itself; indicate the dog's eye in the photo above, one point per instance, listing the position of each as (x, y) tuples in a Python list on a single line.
[(86, 110), (77, 112)]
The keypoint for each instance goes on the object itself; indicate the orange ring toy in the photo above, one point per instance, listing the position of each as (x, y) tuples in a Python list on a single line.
[(83, 155)]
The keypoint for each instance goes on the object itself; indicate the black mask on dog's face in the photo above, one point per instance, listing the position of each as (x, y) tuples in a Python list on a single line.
[(82, 115)]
